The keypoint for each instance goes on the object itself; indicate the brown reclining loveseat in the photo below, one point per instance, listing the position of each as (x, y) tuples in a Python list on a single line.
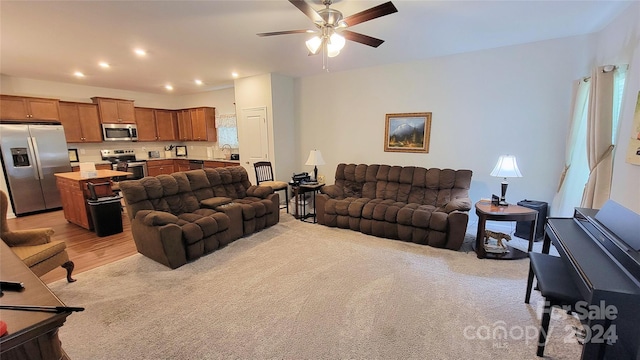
[(180, 217), (425, 206)]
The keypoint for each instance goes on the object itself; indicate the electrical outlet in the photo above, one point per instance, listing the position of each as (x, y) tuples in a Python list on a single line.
[(144, 148), (82, 151), (191, 147)]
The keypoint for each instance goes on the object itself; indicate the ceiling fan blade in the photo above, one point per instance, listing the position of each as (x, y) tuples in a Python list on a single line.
[(286, 32), (307, 10), (361, 38), (375, 12)]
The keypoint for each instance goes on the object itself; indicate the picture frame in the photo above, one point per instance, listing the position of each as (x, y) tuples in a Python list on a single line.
[(73, 155), (181, 150), (407, 132)]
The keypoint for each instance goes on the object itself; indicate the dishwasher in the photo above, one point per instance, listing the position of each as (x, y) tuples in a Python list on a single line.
[(196, 164)]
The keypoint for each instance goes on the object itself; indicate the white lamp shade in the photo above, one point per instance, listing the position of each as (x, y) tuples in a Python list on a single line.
[(336, 43), (506, 167), (313, 44), (315, 158)]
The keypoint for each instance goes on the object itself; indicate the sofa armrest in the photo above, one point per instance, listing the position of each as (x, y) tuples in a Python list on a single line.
[(457, 228), (156, 218), (214, 202), (333, 191), (162, 243), (461, 204), (28, 237), (259, 191)]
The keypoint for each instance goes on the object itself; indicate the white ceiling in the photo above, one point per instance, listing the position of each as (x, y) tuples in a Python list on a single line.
[(50, 40)]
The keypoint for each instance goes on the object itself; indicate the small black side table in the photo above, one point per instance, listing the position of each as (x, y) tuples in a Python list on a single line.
[(300, 207)]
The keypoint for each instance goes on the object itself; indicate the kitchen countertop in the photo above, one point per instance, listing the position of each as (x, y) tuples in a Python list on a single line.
[(203, 158), (100, 162), (77, 175)]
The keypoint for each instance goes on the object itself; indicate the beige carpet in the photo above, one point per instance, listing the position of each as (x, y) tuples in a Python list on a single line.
[(304, 291)]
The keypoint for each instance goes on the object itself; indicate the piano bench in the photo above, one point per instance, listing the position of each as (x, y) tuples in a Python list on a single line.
[(555, 284)]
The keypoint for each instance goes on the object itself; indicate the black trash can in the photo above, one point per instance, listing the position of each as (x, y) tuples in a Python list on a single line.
[(524, 227), (105, 208), (106, 214)]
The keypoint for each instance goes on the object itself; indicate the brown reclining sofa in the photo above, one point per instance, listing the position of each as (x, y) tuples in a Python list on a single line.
[(425, 206), (178, 218)]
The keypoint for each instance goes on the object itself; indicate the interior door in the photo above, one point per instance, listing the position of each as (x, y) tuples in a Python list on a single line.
[(253, 138)]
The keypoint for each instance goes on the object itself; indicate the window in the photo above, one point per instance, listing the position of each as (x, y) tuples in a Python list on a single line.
[(227, 130)]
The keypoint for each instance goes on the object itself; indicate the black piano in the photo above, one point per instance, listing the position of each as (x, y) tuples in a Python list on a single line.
[(601, 250)]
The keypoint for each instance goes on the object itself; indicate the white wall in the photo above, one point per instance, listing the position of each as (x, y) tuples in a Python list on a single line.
[(619, 43), (276, 93), (512, 100)]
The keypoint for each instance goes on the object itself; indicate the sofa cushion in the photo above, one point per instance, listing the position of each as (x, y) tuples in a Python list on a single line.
[(35, 254)]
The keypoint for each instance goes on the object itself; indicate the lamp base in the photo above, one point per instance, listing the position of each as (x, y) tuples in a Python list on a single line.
[(503, 203)]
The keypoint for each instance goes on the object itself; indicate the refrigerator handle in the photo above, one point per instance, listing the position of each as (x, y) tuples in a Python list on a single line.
[(33, 149)]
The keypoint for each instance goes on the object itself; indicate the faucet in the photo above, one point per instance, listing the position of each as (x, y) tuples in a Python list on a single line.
[(226, 150)]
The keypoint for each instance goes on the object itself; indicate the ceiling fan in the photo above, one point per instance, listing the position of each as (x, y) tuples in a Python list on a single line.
[(332, 26)]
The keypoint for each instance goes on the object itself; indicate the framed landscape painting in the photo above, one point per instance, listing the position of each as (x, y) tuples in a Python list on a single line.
[(407, 132)]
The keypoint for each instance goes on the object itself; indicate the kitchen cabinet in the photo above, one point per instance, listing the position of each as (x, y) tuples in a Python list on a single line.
[(166, 124), (74, 194), (203, 124), (157, 167), (156, 124), (184, 125), (81, 122), (181, 165), (146, 123), (197, 124), (27, 108), (216, 164), (115, 111)]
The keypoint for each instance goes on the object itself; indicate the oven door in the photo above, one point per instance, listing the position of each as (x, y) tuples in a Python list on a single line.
[(137, 170)]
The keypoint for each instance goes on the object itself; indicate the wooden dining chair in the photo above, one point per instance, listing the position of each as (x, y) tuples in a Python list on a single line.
[(264, 177)]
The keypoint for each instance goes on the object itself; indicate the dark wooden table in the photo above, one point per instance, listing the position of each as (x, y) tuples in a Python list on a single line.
[(31, 335), (486, 211), (299, 191)]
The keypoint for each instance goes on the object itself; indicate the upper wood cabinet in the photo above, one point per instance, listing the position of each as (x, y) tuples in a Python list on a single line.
[(146, 124), (28, 108), (166, 124), (197, 124), (156, 124), (81, 122), (184, 125), (115, 111)]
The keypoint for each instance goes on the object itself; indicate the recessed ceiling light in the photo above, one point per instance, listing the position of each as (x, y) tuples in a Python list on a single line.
[(104, 64), (234, 74), (140, 52), (78, 74), (198, 82), (168, 87)]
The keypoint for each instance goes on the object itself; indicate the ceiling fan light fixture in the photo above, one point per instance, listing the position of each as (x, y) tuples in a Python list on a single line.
[(336, 42), (313, 44)]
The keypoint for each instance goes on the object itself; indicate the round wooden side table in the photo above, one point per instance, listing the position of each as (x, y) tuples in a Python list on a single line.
[(487, 211)]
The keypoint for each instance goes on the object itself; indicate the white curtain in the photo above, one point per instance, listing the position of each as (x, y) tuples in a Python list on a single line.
[(227, 130), (600, 134), (576, 168)]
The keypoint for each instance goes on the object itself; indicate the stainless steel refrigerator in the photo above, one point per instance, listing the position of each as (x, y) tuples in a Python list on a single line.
[(31, 154)]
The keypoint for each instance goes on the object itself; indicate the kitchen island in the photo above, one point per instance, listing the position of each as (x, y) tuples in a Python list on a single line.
[(74, 193)]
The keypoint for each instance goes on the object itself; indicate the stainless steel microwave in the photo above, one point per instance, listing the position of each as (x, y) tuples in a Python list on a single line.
[(120, 132)]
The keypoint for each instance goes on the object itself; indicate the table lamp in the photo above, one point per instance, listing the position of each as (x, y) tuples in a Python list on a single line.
[(506, 167), (315, 158)]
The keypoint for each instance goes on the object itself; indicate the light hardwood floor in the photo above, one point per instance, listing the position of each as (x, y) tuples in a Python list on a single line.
[(85, 248)]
